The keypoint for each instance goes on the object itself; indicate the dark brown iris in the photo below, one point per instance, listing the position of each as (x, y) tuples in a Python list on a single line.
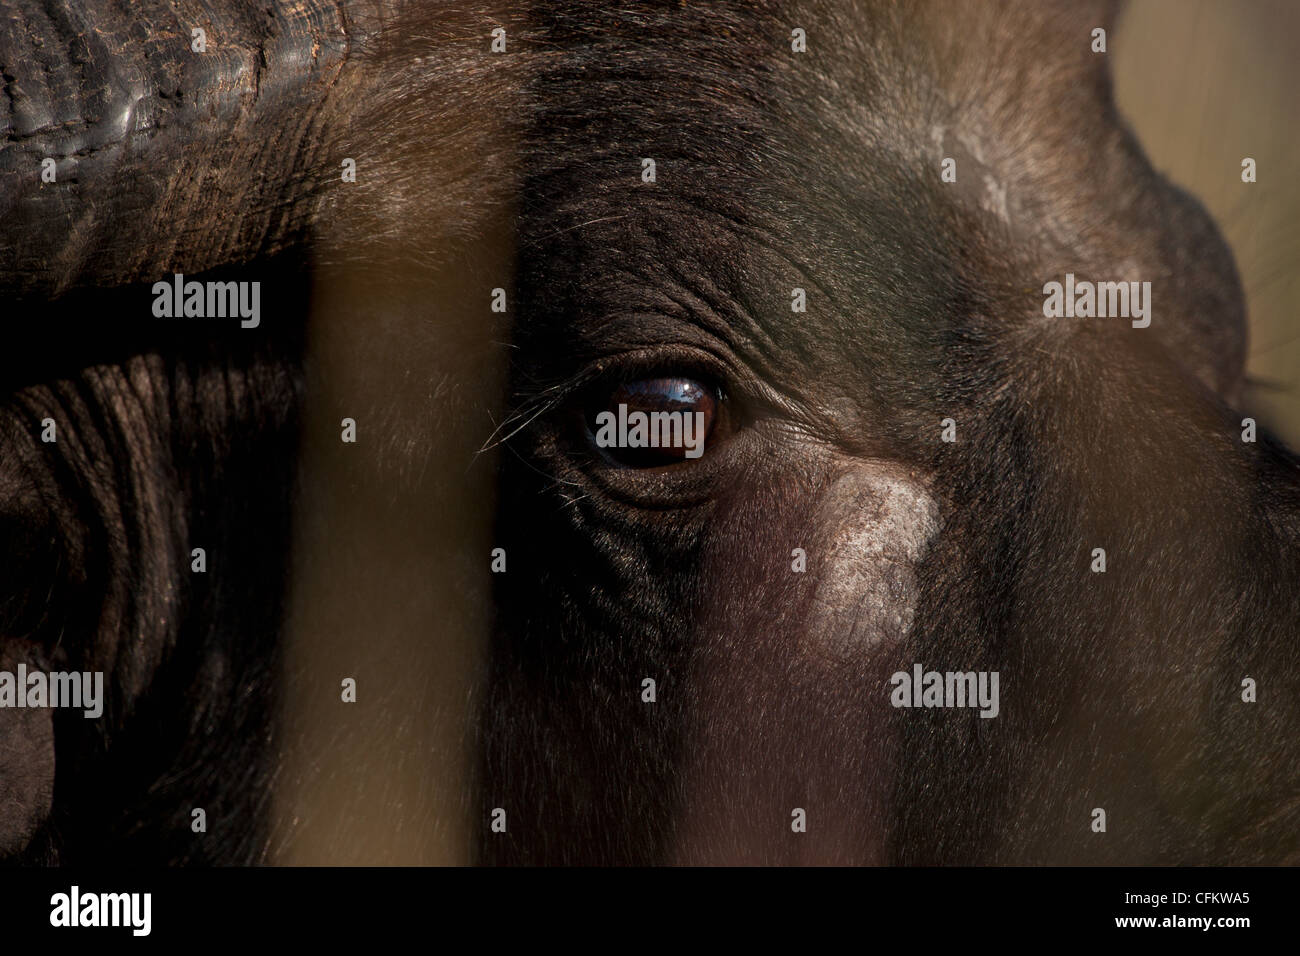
[(661, 421)]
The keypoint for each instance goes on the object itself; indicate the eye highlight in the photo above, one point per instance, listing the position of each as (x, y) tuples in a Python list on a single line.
[(655, 421)]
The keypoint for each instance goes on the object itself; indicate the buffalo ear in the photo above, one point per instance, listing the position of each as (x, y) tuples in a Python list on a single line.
[(26, 759)]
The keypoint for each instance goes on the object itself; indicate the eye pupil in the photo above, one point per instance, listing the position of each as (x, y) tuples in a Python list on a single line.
[(657, 421)]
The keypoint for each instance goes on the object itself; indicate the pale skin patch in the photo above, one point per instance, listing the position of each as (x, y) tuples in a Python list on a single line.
[(975, 178), (878, 522)]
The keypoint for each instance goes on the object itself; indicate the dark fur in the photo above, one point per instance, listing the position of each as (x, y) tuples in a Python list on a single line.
[(1119, 690)]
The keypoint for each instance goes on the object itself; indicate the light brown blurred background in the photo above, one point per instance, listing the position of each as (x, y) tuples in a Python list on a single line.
[(1206, 83)]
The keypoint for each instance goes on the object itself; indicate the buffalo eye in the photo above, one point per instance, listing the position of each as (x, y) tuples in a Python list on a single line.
[(653, 422)]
